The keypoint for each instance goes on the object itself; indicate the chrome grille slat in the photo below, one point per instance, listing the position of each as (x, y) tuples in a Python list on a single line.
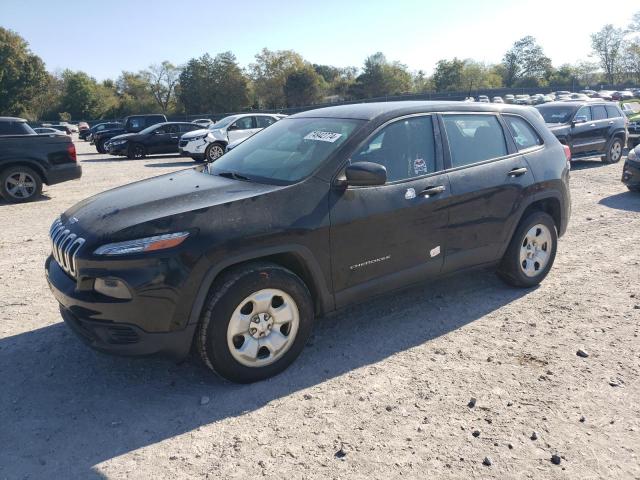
[(65, 247)]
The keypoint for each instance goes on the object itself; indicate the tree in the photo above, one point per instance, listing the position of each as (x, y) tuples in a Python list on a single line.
[(81, 97), (381, 77), (302, 87), (133, 94), (162, 80), (269, 74), (607, 46), (213, 84), (525, 63), (22, 74), (631, 59), (634, 26), (448, 75)]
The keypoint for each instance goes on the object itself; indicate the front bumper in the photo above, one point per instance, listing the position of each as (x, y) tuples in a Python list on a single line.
[(121, 150), (631, 174), (90, 315), (193, 148), (63, 172)]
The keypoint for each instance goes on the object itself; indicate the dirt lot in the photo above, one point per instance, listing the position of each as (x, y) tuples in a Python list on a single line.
[(382, 389)]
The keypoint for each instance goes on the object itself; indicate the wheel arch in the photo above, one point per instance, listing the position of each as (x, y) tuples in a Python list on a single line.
[(35, 166), (295, 258)]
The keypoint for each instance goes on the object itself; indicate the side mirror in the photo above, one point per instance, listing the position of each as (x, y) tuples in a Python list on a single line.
[(365, 174), (579, 119), (232, 127)]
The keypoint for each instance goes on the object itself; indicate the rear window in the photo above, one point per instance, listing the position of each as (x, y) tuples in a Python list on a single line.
[(523, 133), (15, 128), (556, 113), (613, 112), (474, 138)]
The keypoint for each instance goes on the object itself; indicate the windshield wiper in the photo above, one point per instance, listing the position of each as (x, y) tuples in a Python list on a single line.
[(233, 175)]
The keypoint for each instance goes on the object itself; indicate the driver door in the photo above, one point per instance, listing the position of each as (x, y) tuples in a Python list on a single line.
[(389, 236), (241, 128)]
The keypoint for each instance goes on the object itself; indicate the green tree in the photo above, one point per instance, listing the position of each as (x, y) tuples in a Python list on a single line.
[(381, 77), (607, 47), (631, 60), (525, 64), (269, 74), (133, 95), (213, 85), (448, 75), (22, 74), (302, 87), (81, 96)]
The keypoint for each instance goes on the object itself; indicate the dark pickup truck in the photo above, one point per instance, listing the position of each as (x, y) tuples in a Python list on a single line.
[(132, 124), (27, 160)]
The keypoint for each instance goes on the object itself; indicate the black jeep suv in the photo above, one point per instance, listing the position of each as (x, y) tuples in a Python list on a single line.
[(588, 128), (322, 209)]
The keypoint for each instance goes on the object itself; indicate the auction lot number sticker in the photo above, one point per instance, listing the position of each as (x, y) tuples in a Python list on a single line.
[(320, 136)]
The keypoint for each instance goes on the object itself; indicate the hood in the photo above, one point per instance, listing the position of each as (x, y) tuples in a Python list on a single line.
[(124, 136), (195, 133), (158, 205)]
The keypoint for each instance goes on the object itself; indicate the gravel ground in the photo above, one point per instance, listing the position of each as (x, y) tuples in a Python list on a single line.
[(381, 391)]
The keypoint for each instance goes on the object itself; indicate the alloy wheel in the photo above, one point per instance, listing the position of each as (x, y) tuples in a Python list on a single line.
[(535, 250), (215, 152), (616, 151), (263, 327), (20, 185)]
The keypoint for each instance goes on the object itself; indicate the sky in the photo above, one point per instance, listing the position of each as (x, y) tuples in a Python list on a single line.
[(107, 37)]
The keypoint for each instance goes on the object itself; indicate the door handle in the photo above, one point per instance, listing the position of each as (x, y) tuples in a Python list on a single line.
[(610, 122), (517, 172), (592, 124), (427, 192)]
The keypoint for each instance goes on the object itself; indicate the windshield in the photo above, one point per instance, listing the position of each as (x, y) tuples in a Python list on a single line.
[(287, 151), (556, 113), (222, 123)]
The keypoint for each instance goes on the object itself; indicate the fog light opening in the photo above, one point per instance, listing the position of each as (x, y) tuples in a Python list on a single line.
[(112, 287)]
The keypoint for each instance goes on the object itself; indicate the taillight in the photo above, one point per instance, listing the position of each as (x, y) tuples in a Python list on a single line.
[(71, 150), (567, 152)]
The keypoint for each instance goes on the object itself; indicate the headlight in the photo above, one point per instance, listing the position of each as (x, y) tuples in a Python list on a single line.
[(117, 142), (141, 245), (633, 155), (199, 137)]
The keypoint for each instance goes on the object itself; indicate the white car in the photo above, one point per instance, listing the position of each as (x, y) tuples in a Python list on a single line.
[(210, 143)]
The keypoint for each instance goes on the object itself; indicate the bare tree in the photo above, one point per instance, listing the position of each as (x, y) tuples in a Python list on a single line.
[(607, 45), (163, 80)]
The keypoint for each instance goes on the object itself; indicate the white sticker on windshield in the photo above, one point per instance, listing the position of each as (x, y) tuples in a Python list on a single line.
[(323, 136)]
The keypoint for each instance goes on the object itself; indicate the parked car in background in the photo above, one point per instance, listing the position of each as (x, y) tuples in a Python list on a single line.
[(631, 170), (497, 99), (159, 138), (536, 99), (48, 131), (209, 144), (83, 130), (203, 122), (579, 96), (522, 100), (588, 128), (483, 99), (131, 124), (28, 160), (604, 94), (237, 260), (589, 93), (508, 98), (62, 128), (622, 95)]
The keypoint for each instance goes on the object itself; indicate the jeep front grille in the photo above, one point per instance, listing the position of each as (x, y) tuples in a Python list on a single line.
[(65, 246)]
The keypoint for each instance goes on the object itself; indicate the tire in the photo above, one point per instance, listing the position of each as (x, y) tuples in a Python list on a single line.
[(100, 146), (136, 152), (614, 151), (525, 263), (214, 152), (198, 159), (244, 357), (20, 184)]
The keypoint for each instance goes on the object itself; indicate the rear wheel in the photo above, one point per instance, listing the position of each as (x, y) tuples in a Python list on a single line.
[(20, 184), (255, 323), (136, 151), (532, 251), (214, 151), (614, 153)]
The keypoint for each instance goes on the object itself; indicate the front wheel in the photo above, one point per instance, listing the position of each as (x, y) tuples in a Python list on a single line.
[(20, 184), (614, 153), (531, 252), (255, 323), (213, 152)]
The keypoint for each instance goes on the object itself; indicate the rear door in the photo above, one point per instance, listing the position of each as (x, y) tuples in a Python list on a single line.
[(583, 134), (601, 130), (241, 128), (388, 236), (489, 179)]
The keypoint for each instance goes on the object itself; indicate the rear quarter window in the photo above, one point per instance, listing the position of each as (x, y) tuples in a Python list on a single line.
[(524, 135), (613, 112)]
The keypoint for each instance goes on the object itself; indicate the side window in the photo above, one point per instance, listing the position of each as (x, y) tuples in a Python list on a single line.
[(264, 122), (135, 123), (523, 134), (584, 112), (161, 130), (406, 148), (599, 112), (612, 111), (244, 123), (189, 128), (474, 138), (173, 128)]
